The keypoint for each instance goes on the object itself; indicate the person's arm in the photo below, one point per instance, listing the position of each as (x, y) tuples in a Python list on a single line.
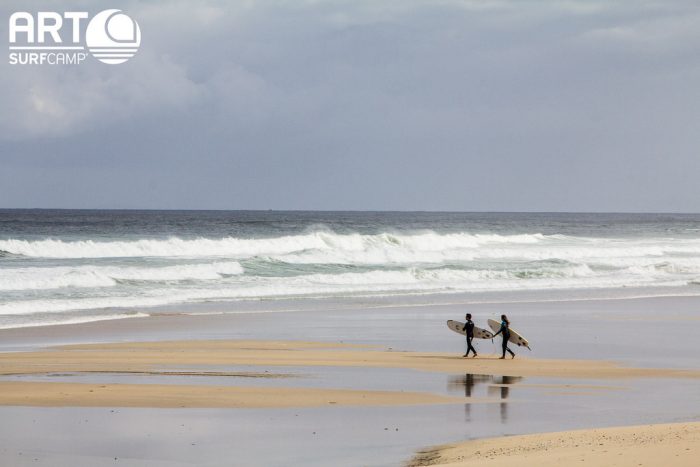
[(499, 331)]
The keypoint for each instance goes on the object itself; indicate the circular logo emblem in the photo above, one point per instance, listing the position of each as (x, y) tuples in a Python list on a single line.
[(112, 37)]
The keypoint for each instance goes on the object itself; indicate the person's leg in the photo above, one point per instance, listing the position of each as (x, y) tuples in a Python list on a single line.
[(504, 345), (512, 354), (470, 347)]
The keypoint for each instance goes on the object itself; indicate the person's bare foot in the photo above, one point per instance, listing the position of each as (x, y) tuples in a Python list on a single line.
[(474, 356), (502, 358)]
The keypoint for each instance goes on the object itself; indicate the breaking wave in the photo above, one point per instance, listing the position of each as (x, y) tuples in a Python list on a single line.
[(384, 248), (243, 248), (57, 275)]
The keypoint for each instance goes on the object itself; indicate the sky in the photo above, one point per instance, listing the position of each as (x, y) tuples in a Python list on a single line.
[(444, 105)]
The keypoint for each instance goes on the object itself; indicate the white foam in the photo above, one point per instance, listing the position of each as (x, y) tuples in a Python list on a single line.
[(411, 280), (425, 262), (245, 248), (380, 249), (73, 320), (42, 278)]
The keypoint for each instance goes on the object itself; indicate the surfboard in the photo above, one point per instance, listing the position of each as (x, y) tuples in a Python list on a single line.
[(479, 333), (515, 336)]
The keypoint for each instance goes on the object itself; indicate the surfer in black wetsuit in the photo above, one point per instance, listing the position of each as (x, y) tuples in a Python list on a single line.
[(505, 333), (469, 329)]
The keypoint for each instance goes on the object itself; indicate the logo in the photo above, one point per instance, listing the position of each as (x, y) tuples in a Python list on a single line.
[(52, 38), (112, 37)]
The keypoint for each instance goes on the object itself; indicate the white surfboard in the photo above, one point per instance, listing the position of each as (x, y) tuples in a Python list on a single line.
[(515, 336), (479, 333)]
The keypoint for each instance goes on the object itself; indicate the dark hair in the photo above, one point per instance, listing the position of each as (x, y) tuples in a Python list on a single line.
[(469, 316), (505, 318)]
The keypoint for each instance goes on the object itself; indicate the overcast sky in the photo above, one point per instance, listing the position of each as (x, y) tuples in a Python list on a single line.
[(408, 105)]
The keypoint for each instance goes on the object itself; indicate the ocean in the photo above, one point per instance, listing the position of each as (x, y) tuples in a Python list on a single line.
[(70, 266)]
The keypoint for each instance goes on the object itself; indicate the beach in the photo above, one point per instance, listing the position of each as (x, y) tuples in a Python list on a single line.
[(203, 337), (196, 388), (256, 234)]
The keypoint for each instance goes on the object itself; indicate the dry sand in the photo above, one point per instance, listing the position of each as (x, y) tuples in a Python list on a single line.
[(675, 445)]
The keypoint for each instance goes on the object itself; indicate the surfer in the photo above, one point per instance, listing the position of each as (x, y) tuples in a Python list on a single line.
[(469, 329), (505, 333)]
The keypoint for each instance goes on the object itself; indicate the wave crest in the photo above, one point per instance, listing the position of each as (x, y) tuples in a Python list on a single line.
[(244, 248)]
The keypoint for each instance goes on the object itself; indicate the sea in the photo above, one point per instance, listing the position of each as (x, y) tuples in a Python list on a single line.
[(73, 266)]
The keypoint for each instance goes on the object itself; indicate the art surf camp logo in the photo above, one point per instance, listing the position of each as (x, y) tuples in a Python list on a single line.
[(52, 38)]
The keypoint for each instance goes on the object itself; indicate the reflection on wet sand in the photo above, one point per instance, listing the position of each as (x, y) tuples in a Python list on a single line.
[(498, 385), (504, 383), (466, 383)]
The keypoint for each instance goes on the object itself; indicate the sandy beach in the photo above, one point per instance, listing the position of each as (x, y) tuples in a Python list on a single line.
[(401, 398), (265, 233), (648, 445)]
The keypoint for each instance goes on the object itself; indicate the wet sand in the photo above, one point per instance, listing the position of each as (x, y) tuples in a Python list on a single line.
[(48, 394), (648, 445), (149, 356), (153, 358)]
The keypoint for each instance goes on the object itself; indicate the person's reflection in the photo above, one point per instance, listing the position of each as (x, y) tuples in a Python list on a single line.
[(468, 386), (502, 384), (467, 383)]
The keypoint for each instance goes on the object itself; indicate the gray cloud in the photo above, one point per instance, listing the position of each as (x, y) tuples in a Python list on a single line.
[(455, 105)]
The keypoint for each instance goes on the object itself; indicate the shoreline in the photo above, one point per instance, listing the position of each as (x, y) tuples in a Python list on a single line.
[(349, 303), (597, 325)]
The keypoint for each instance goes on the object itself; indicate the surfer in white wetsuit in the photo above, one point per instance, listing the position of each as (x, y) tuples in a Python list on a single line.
[(469, 329), (505, 332)]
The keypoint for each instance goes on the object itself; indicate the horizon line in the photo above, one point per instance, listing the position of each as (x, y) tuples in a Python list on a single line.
[(349, 210)]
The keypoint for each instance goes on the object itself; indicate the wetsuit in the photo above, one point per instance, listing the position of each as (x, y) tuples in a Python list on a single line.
[(505, 332), (469, 328)]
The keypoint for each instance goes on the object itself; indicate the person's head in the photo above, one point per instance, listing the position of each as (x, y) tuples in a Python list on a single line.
[(469, 316), (505, 318)]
